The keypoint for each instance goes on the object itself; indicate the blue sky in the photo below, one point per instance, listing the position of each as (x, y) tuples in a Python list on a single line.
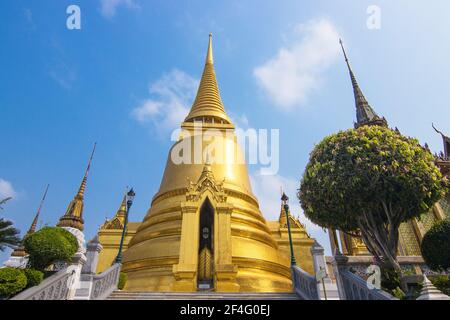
[(278, 65)]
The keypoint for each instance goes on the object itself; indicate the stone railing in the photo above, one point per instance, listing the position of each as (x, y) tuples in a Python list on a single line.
[(105, 283), (93, 286), (353, 287), (356, 288), (60, 286), (305, 285)]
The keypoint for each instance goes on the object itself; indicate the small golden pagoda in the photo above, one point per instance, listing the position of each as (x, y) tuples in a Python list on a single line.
[(204, 229), (73, 217), (20, 250), (109, 236)]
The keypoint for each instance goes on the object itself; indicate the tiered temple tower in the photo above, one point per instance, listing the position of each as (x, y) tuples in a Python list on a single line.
[(19, 257), (204, 229), (73, 218), (412, 231)]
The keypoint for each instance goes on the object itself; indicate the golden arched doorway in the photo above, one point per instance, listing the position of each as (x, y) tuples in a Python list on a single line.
[(205, 275)]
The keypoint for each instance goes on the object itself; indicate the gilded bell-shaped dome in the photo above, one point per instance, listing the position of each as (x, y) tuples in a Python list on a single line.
[(204, 229)]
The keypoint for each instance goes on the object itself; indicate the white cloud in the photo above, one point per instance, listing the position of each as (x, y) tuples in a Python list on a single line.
[(267, 188), (171, 96), (239, 121), (108, 8), (61, 68), (297, 69), (28, 14), (6, 189)]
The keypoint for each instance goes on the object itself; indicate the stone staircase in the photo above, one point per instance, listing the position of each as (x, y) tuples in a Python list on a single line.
[(125, 295)]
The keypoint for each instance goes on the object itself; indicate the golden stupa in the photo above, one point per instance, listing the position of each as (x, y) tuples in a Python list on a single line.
[(204, 229)]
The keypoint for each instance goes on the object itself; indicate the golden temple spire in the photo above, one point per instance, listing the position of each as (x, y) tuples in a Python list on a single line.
[(20, 251), (208, 106), (123, 207), (73, 218), (365, 115), (86, 174), (209, 54), (36, 218)]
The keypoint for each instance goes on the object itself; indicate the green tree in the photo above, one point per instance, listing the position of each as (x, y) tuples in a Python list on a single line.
[(34, 277), (370, 179), (12, 281), (9, 236), (48, 245), (435, 246)]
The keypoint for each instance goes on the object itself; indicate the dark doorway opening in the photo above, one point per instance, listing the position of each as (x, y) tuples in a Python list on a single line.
[(205, 274)]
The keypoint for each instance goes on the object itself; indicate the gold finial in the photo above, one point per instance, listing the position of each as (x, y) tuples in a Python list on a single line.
[(123, 206), (209, 55), (36, 218), (86, 174), (343, 50)]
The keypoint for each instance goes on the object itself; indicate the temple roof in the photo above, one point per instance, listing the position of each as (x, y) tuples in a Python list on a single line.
[(208, 103), (443, 158), (365, 115), (119, 219)]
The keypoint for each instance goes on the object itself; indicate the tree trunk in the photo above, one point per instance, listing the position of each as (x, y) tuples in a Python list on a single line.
[(381, 238)]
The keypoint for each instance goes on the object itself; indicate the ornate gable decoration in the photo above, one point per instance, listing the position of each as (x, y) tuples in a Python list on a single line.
[(204, 183), (115, 223), (294, 222)]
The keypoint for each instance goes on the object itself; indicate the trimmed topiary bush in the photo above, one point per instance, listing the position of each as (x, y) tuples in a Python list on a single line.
[(122, 281), (435, 246), (366, 182), (48, 245), (34, 277), (12, 281)]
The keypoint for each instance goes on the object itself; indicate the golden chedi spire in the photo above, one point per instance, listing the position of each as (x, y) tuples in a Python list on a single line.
[(20, 251), (73, 218), (205, 204), (208, 106)]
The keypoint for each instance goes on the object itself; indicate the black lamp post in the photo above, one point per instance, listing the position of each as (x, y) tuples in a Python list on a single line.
[(285, 200), (129, 198)]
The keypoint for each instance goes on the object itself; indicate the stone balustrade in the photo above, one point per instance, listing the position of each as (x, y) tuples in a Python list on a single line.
[(356, 288), (305, 285), (105, 283), (353, 287), (60, 286)]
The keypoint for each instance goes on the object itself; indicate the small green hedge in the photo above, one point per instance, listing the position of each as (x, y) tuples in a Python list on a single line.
[(122, 281), (12, 281), (48, 245), (34, 277), (435, 246)]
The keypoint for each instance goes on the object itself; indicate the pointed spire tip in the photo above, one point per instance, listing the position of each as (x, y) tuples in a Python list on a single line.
[(209, 55)]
